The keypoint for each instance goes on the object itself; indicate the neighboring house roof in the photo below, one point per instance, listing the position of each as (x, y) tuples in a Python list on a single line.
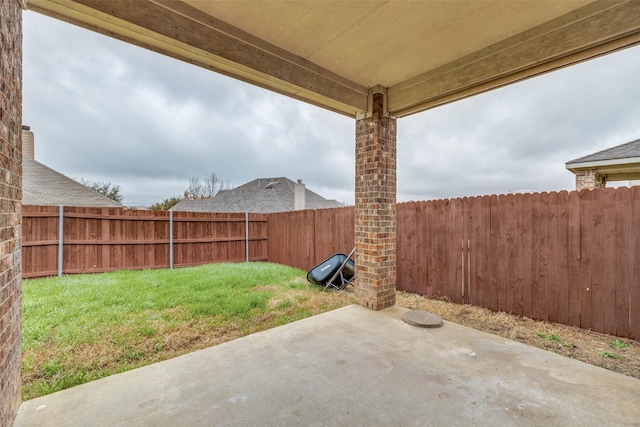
[(42, 185), (627, 152), (619, 163), (263, 195)]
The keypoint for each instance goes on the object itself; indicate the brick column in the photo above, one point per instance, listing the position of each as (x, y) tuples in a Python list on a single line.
[(589, 179), (10, 207), (375, 228)]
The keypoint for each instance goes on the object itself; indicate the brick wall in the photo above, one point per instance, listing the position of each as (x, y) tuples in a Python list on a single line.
[(375, 206), (10, 207), (589, 179)]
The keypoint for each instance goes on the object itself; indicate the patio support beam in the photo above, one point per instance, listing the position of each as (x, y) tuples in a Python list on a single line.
[(596, 29), (375, 204), (175, 29)]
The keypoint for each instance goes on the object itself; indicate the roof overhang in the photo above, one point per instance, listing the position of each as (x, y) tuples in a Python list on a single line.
[(615, 169), (336, 54)]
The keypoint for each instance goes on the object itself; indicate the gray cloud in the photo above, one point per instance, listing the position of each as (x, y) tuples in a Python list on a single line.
[(108, 111), (520, 136)]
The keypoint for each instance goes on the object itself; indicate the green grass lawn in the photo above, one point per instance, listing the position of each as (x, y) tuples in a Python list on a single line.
[(83, 327)]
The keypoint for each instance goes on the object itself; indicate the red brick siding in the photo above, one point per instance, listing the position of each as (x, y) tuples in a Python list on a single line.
[(375, 205), (10, 207), (589, 179)]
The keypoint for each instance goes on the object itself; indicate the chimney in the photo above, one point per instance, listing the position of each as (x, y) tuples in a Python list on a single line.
[(27, 142), (299, 196)]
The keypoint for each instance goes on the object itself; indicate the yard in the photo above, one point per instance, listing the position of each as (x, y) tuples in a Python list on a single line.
[(84, 327)]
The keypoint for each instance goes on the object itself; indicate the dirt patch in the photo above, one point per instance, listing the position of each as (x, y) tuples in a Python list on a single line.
[(607, 351)]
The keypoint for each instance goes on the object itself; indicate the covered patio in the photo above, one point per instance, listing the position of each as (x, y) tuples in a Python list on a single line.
[(351, 366), (376, 62)]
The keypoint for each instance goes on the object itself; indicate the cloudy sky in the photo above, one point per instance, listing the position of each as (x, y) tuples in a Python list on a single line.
[(104, 110)]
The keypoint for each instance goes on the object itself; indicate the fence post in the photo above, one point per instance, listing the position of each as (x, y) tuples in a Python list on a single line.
[(171, 240), (462, 267), (60, 239), (246, 232)]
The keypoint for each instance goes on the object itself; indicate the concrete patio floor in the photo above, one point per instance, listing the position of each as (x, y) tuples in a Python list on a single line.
[(355, 367)]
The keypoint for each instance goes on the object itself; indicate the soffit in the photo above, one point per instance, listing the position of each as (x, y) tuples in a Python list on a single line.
[(608, 166), (380, 42), (621, 172), (336, 54)]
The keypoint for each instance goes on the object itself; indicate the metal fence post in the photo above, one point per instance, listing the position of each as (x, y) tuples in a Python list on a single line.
[(246, 232), (60, 239), (171, 240)]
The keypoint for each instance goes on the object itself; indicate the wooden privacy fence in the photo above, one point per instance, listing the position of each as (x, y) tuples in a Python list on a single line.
[(100, 239), (567, 257), (303, 239)]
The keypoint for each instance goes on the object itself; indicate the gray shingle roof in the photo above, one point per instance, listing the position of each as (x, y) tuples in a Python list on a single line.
[(263, 195), (42, 185), (623, 151)]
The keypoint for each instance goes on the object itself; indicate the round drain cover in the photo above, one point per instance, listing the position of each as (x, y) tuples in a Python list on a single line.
[(422, 319)]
